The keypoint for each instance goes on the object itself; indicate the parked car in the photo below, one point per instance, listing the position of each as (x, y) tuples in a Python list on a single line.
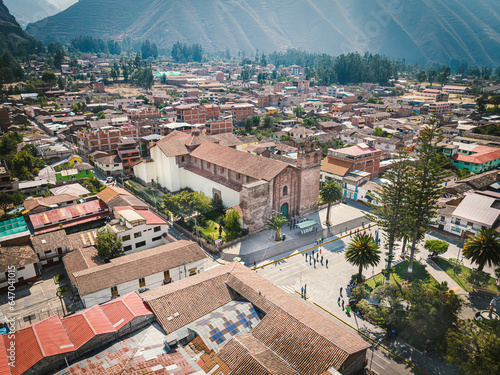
[(110, 179)]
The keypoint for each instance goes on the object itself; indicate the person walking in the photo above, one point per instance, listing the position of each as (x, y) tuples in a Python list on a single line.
[(341, 291), (320, 250), (338, 301), (254, 263), (306, 257), (326, 262), (342, 304)]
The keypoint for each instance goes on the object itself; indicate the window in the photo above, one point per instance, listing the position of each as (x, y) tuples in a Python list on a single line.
[(19, 268), (157, 229), (457, 221), (114, 291), (47, 252), (221, 170), (126, 238), (208, 164), (238, 176), (140, 244), (470, 224), (192, 272), (156, 238), (285, 191), (138, 234), (142, 282), (166, 275), (127, 248)]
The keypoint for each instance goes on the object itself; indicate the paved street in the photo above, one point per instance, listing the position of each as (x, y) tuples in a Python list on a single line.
[(323, 286)]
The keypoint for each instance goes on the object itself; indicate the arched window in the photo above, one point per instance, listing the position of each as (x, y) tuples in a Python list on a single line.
[(285, 191)]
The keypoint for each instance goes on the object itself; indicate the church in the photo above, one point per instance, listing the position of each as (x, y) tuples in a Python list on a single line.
[(256, 187)]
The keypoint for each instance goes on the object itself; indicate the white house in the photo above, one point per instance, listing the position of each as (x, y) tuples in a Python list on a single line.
[(109, 165), (139, 229), (18, 266), (149, 269)]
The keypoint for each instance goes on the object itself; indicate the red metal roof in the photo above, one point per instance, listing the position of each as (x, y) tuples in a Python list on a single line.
[(52, 337), (78, 329), (98, 321), (67, 213), (117, 313), (4, 362), (28, 352), (72, 223), (136, 305)]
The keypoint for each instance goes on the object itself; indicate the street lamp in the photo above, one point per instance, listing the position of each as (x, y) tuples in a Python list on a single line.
[(59, 294)]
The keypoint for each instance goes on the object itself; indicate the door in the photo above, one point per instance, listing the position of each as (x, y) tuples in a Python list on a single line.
[(441, 227), (284, 210)]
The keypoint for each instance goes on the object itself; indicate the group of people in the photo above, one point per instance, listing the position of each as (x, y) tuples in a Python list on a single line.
[(292, 224), (318, 258)]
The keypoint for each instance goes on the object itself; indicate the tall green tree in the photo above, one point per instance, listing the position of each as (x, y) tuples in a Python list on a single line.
[(474, 347), (298, 111), (363, 252), (436, 247), (108, 244), (483, 248), (330, 193), (275, 223), (392, 209), (426, 177)]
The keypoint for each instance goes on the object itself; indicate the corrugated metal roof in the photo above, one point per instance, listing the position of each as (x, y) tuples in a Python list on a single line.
[(477, 208), (52, 337), (117, 313), (4, 363), (28, 352)]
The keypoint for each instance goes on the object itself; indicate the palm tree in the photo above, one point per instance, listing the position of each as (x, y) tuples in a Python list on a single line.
[(275, 223), (330, 192), (483, 248), (363, 252)]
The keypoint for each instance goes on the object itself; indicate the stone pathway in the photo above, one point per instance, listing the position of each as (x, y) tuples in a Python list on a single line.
[(441, 276)]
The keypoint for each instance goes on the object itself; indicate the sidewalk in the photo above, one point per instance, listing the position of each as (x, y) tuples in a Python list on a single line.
[(262, 246), (442, 276)]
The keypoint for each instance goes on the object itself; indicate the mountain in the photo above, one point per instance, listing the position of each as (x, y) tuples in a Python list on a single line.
[(419, 30), (27, 11), (11, 34)]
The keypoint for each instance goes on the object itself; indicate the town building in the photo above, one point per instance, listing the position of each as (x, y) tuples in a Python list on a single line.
[(104, 139), (139, 228), (99, 283), (361, 159), (474, 158), (239, 111), (260, 186), (18, 266)]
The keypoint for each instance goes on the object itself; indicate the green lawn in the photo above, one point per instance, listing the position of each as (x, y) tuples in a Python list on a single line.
[(400, 275), (212, 231), (64, 290), (457, 275)]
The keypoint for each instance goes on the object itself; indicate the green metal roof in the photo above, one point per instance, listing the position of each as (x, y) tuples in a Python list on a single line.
[(168, 74), (12, 226), (306, 224)]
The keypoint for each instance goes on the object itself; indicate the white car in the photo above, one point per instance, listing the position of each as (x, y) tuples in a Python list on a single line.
[(110, 179)]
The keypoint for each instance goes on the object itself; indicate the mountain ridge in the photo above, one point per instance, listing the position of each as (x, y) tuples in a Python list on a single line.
[(421, 30), (12, 36)]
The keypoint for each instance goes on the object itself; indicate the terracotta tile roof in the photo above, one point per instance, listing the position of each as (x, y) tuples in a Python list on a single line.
[(82, 239), (244, 354), (216, 178), (192, 298), (110, 192), (334, 166), (33, 203), (18, 256), (137, 265), (126, 200), (241, 162), (227, 139), (81, 259), (28, 352), (52, 337), (304, 338), (50, 241)]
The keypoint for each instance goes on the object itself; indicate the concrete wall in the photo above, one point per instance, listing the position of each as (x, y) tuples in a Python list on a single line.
[(147, 235), (229, 197)]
